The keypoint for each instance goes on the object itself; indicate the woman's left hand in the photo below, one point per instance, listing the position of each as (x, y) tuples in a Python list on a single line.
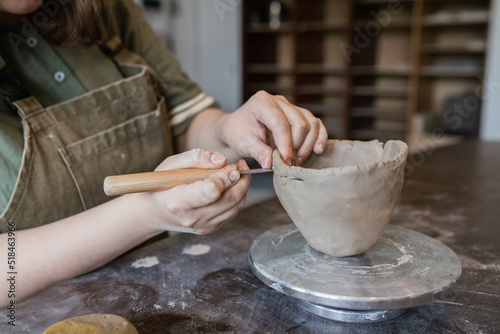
[(268, 121)]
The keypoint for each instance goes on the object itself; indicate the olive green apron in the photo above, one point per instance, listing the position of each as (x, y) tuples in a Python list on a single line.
[(70, 147)]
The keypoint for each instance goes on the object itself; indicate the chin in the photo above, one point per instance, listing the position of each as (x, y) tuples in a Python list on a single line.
[(20, 7)]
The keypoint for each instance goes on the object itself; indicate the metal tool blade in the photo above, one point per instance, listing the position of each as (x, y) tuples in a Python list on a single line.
[(256, 171)]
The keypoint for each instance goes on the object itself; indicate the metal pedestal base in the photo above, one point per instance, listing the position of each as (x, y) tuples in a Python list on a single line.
[(402, 270), (352, 316)]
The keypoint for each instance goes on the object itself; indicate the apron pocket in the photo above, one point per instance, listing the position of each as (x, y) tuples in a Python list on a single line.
[(136, 145)]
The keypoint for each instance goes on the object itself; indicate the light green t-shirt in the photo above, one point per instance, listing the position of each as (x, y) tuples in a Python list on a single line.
[(56, 74)]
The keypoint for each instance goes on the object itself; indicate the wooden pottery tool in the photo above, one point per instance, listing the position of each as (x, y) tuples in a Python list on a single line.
[(163, 180)]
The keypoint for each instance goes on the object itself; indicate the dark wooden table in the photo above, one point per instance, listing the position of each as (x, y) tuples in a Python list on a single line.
[(452, 194)]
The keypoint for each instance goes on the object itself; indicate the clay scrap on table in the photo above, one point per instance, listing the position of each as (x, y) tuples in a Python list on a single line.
[(342, 200), (93, 324)]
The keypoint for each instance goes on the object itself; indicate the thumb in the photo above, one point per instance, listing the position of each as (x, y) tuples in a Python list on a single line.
[(196, 158), (263, 154)]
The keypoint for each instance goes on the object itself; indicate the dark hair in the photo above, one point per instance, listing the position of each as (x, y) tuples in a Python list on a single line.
[(76, 21)]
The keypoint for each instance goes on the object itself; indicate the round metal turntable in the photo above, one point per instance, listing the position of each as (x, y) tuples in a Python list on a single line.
[(403, 269)]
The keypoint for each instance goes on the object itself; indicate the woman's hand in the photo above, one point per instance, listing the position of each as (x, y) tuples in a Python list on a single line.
[(201, 207), (108, 230), (267, 121)]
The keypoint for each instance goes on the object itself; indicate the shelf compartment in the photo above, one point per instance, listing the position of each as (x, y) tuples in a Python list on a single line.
[(324, 108), (394, 92), (395, 23), (377, 2), (334, 126), (319, 90), (259, 28), (320, 69), (393, 114), (272, 88), (389, 126), (268, 68), (322, 26)]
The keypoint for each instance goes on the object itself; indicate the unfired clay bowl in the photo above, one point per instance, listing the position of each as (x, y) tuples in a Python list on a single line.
[(342, 200)]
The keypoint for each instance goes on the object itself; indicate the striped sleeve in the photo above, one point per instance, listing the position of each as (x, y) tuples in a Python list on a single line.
[(190, 108), (180, 118)]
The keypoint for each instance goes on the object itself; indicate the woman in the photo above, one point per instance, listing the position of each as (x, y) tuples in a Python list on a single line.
[(89, 92)]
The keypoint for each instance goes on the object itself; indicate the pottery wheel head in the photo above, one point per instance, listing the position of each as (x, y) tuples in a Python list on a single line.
[(342, 200)]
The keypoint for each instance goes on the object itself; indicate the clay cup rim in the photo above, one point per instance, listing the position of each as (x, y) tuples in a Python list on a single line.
[(281, 168)]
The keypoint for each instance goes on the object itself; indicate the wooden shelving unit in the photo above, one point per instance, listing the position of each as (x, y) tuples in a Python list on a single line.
[(449, 65), (370, 69)]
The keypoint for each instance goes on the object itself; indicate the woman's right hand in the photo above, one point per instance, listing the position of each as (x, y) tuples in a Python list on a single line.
[(201, 207), (108, 230)]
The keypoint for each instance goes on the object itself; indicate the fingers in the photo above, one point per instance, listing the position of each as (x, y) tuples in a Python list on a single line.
[(319, 146), (298, 120), (296, 131), (308, 132), (202, 193), (218, 221), (305, 129), (315, 139), (228, 205), (201, 207), (196, 158), (258, 149), (242, 165), (272, 117)]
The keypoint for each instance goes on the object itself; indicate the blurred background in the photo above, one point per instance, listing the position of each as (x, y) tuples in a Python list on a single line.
[(424, 71), (208, 42)]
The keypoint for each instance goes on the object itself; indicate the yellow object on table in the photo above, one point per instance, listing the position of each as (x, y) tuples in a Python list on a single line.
[(93, 324)]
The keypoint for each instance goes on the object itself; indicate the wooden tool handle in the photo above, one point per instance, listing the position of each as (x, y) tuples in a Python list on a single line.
[(156, 181)]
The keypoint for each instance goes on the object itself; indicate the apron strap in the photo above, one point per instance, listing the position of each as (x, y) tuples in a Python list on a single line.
[(28, 106), (112, 47), (115, 50)]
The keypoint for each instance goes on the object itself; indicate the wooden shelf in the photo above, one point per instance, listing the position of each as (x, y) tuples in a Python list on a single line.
[(395, 23), (319, 90), (273, 88), (392, 126), (320, 69), (450, 72), (395, 114), (334, 126), (377, 2), (270, 68), (454, 20), (396, 71), (324, 108), (321, 26), (473, 48), (259, 28)]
